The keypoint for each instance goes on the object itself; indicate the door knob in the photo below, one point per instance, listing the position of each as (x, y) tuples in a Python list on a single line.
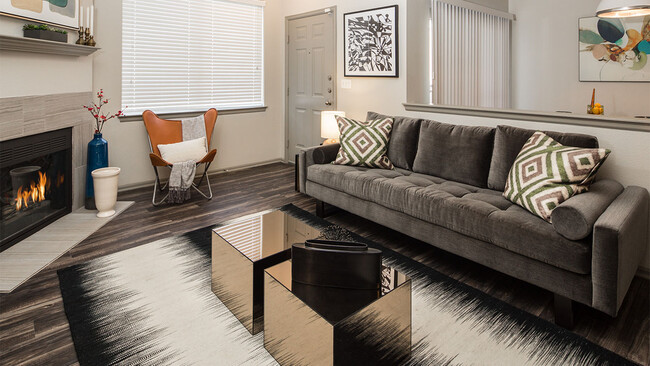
[(328, 103)]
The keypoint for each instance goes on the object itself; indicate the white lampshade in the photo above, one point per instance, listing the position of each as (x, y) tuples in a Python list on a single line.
[(623, 8), (329, 129)]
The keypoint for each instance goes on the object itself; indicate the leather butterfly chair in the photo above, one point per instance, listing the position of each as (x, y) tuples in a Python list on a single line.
[(162, 132)]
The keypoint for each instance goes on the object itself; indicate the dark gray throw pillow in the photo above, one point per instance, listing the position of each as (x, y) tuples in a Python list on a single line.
[(508, 142), (403, 144), (458, 153), (575, 218)]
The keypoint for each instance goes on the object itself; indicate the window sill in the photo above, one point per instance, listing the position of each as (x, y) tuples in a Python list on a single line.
[(630, 124), (178, 116)]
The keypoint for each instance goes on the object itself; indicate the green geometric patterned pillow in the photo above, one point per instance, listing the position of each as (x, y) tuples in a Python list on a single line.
[(547, 173), (364, 143)]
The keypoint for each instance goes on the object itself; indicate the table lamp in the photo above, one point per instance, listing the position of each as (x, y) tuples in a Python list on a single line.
[(329, 129)]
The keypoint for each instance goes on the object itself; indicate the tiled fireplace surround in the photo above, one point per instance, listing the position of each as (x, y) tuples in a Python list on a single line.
[(30, 115)]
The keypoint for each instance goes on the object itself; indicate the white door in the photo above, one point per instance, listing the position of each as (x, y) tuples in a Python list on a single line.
[(311, 82)]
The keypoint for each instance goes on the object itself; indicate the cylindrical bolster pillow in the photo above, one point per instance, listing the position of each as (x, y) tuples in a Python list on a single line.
[(325, 154), (574, 218)]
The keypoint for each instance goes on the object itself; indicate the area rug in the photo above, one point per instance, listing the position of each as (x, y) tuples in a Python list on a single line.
[(152, 305)]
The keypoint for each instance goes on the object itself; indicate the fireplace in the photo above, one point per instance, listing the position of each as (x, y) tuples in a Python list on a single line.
[(35, 183)]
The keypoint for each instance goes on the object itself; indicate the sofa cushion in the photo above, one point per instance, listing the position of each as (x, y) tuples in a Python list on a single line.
[(184, 151), (509, 140), (575, 218), (364, 143), (403, 143), (459, 153), (476, 212), (547, 173)]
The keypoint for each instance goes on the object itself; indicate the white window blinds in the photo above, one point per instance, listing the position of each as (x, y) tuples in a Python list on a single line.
[(245, 236), (471, 55), (192, 55)]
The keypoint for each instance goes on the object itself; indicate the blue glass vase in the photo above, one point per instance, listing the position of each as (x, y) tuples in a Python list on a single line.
[(97, 158)]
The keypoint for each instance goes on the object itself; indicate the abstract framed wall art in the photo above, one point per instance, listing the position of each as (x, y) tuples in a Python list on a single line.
[(61, 13), (614, 49), (371, 42)]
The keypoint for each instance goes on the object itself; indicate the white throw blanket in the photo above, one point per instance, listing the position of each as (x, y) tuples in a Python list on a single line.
[(182, 174)]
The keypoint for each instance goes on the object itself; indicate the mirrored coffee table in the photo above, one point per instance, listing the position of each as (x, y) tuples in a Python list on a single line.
[(242, 249), (300, 329)]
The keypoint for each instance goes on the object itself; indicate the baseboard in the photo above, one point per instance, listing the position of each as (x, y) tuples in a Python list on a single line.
[(149, 183), (643, 273)]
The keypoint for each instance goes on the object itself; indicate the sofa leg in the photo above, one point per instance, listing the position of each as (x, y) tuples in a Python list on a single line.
[(563, 309), (320, 208)]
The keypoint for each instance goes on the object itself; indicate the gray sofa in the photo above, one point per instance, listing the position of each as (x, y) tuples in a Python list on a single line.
[(446, 190)]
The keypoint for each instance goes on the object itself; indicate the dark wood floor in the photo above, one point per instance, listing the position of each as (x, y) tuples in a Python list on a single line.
[(34, 328)]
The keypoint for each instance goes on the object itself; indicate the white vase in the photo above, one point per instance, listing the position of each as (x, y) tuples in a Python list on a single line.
[(105, 184)]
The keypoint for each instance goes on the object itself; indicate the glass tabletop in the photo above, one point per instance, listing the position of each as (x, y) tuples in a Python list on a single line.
[(264, 234)]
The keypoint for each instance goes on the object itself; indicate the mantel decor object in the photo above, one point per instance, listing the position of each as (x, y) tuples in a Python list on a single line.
[(97, 147), (370, 42), (42, 31), (82, 38)]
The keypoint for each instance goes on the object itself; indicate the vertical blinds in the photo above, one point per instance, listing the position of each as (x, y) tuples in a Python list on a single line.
[(471, 57), (191, 55)]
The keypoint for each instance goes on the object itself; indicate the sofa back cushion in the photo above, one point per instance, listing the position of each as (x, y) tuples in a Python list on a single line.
[(508, 142), (458, 153), (403, 143)]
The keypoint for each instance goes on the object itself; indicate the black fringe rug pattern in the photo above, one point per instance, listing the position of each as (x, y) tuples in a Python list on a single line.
[(153, 305)]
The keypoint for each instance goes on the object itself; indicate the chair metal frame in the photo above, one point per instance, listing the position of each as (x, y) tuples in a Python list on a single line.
[(159, 187)]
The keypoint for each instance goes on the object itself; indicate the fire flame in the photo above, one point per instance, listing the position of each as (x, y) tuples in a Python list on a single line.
[(34, 194)]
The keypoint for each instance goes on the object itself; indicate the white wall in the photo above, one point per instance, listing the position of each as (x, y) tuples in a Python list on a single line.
[(494, 4), (545, 62), (240, 140), (385, 94), (23, 73)]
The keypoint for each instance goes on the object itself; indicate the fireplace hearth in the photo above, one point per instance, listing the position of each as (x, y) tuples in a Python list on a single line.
[(35, 183)]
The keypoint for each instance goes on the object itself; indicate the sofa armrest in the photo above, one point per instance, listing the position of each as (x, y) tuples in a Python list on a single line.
[(323, 154), (574, 218), (620, 242)]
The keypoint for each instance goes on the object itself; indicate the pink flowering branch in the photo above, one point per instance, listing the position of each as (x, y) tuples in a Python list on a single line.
[(96, 111)]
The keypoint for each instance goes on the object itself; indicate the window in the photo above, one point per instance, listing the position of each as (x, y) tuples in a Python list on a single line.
[(471, 55), (192, 55)]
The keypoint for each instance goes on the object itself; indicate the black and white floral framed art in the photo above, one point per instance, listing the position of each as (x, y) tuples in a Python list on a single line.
[(371, 42)]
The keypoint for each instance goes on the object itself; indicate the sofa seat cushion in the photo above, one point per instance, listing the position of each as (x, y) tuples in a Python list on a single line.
[(479, 213), (352, 179)]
